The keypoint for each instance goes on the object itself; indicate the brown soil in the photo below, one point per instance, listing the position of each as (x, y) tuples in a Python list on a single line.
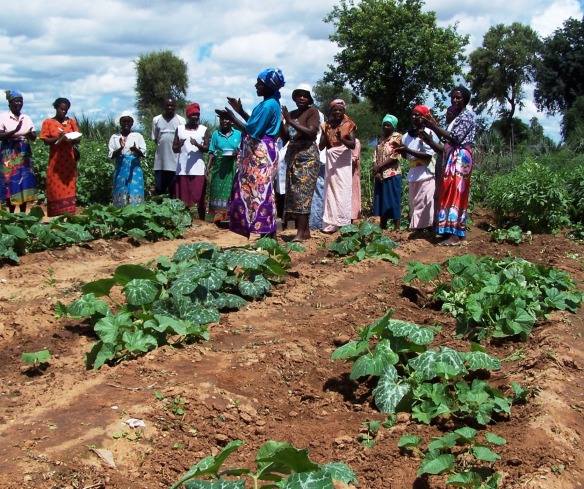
[(265, 374)]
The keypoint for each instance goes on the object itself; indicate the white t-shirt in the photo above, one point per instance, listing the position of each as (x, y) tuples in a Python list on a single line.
[(163, 133), (190, 159), (418, 173), (133, 138)]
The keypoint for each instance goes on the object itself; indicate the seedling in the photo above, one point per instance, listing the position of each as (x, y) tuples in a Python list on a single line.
[(36, 359)]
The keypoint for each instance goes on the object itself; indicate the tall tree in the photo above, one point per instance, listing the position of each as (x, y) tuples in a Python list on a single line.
[(560, 74), (501, 67), (159, 75), (393, 53)]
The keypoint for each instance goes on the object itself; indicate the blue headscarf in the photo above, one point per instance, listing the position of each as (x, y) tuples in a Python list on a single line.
[(274, 80), (10, 94)]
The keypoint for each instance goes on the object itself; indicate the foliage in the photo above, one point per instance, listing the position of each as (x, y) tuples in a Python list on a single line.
[(573, 123), (492, 298), (363, 242), (574, 182), (461, 454), (560, 73), (159, 75), (94, 170), (380, 55), (279, 463), (513, 235), (424, 381), (531, 196), (502, 65), (174, 301), (26, 233), (36, 358)]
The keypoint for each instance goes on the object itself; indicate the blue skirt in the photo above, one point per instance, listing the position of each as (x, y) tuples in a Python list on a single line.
[(128, 181), (387, 198)]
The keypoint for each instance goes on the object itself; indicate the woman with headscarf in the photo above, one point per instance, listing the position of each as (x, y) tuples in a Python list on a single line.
[(223, 148), (126, 148), (62, 170), (356, 186), (252, 208), (387, 172), (420, 177), (17, 179), (338, 137), (455, 185), (302, 158), (191, 141)]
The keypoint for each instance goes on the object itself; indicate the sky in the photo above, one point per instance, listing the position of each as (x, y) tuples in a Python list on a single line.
[(85, 51)]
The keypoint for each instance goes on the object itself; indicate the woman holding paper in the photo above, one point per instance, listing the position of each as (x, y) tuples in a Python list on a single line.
[(61, 133)]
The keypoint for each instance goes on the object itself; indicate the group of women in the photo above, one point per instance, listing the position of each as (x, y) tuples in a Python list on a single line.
[(243, 158), (18, 182), (439, 171)]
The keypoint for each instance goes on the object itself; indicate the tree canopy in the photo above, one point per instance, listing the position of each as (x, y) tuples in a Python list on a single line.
[(393, 53), (159, 75), (500, 68), (560, 74)]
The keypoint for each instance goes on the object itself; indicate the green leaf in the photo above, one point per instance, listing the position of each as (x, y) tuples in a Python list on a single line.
[(36, 357), (310, 480), (99, 354), (340, 472), (467, 433), (485, 454), (447, 441), (519, 393), (138, 341), (99, 287), (351, 349), (465, 479), (220, 484), (126, 273), (87, 306), (421, 271), (256, 287), (476, 360), (141, 291), (409, 441), (435, 463), (388, 392), (108, 327), (416, 334), (282, 458), (495, 439)]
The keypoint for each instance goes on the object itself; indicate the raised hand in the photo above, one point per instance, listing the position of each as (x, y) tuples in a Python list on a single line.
[(123, 143), (236, 104)]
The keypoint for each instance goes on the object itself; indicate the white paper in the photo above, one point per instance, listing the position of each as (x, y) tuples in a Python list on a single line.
[(73, 135)]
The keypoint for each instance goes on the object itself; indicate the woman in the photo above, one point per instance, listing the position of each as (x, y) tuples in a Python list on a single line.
[(191, 140), (302, 159), (62, 169), (338, 137), (126, 148), (420, 177), (252, 208), (388, 177), (17, 180), (221, 166), (457, 138)]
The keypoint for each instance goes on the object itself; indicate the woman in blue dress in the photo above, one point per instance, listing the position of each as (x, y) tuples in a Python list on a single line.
[(126, 148)]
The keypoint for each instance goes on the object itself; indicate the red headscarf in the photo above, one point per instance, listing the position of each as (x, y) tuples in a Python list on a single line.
[(422, 109), (194, 108)]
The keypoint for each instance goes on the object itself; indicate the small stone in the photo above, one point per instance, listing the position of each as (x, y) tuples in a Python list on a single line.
[(293, 414), (403, 417), (29, 443)]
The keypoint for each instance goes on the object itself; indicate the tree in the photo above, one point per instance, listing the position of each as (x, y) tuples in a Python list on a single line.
[(393, 53), (560, 73), (159, 75), (500, 68)]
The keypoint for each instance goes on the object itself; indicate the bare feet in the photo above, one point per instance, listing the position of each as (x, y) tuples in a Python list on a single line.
[(451, 241)]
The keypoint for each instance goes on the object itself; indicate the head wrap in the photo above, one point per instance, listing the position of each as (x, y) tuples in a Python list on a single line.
[(422, 109), (62, 100), (391, 119), (10, 94), (464, 91), (125, 113), (303, 87), (273, 78), (338, 101), (194, 108)]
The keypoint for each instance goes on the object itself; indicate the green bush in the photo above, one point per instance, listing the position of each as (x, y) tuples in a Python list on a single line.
[(531, 196)]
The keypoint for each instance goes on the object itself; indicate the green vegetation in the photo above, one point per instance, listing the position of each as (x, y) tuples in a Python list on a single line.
[(174, 301), (279, 463), (497, 298), (363, 242), (459, 453), (151, 221), (36, 358)]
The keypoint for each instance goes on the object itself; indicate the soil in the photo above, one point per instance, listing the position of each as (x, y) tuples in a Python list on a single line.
[(266, 374)]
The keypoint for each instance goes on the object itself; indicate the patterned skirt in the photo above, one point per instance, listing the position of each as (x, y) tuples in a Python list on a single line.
[(302, 166), (222, 174), (252, 208), (128, 181), (17, 180)]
